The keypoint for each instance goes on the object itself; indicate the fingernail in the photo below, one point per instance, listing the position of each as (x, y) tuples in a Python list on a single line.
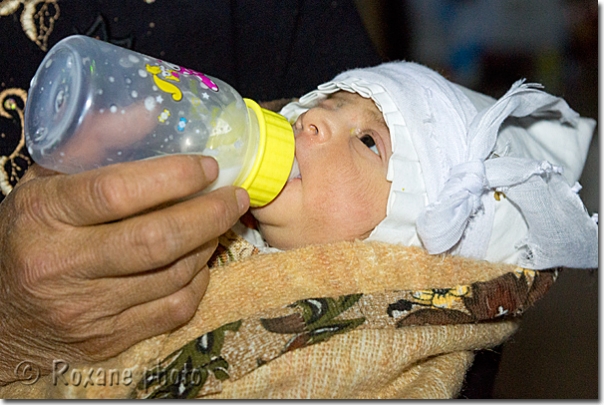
[(243, 199), (210, 167)]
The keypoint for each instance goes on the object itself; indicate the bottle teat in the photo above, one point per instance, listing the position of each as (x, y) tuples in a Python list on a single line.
[(295, 173)]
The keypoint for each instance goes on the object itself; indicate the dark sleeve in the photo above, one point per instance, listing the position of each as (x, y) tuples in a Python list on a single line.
[(265, 49)]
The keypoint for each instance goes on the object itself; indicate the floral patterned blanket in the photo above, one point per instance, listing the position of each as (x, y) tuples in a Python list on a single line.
[(346, 320)]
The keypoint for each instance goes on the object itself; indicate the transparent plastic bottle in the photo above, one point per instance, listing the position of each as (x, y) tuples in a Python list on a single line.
[(92, 104)]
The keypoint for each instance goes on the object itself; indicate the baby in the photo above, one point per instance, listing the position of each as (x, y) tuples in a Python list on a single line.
[(342, 148), (399, 154)]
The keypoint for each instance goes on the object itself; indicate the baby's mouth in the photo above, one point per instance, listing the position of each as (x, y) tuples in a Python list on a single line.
[(295, 172)]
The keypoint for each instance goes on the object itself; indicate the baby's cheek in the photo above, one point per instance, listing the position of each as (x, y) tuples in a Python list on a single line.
[(341, 220), (370, 207)]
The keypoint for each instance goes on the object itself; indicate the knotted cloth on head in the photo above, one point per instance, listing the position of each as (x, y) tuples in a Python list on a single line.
[(446, 170)]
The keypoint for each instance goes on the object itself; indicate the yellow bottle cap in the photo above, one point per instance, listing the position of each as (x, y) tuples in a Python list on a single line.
[(274, 158)]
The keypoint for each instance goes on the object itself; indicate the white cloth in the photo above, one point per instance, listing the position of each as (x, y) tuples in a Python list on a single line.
[(451, 154)]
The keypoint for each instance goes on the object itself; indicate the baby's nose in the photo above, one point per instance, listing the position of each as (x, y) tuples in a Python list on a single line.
[(312, 124)]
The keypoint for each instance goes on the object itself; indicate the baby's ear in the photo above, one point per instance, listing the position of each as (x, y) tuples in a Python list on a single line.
[(276, 105)]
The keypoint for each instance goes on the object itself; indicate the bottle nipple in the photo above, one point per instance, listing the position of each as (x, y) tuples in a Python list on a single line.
[(295, 172)]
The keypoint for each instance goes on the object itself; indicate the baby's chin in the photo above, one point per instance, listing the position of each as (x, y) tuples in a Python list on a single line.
[(275, 212), (274, 227), (260, 213), (262, 216), (276, 237), (290, 237)]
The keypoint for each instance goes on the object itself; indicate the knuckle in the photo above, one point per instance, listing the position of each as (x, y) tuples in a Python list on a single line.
[(182, 273), (153, 244), (110, 193), (182, 307), (184, 168), (65, 318)]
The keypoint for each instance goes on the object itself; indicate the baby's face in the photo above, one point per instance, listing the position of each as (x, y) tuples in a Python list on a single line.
[(342, 147)]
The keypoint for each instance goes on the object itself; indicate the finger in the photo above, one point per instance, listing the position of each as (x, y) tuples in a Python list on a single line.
[(117, 191), (120, 127), (160, 237), (159, 283), (113, 128), (36, 171), (162, 315)]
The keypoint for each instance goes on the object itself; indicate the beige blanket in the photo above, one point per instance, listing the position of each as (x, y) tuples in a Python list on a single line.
[(344, 320)]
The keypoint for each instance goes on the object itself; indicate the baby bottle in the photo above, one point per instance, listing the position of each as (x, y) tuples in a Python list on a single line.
[(92, 104)]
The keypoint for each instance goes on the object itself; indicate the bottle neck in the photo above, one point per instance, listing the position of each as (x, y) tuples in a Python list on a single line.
[(274, 157)]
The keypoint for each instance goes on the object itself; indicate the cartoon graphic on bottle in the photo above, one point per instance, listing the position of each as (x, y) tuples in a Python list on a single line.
[(163, 82), (164, 78), (206, 82)]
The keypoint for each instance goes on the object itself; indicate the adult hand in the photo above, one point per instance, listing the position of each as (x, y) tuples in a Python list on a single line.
[(95, 262)]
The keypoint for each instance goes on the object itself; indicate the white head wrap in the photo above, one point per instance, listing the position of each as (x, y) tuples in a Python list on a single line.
[(465, 184)]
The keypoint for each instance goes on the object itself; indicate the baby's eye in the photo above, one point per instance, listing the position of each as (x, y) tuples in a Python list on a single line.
[(370, 143)]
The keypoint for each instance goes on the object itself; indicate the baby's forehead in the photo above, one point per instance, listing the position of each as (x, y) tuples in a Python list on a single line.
[(365, 105)]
